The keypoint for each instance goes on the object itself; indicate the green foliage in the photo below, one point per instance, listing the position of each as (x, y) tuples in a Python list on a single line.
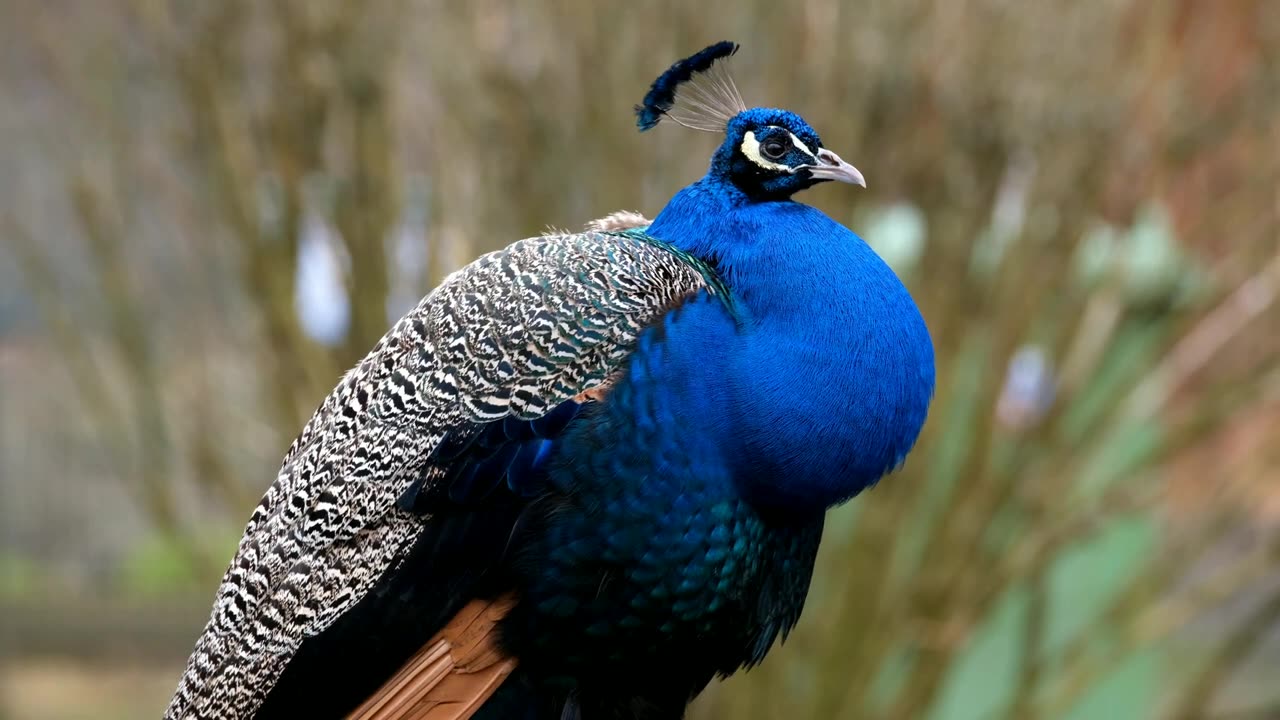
[(20, 577), (160, 566)]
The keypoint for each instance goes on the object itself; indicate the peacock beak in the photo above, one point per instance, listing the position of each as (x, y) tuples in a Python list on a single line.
[(831, 167)]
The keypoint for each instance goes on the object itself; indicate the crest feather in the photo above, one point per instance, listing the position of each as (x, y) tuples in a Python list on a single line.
[(695, 92)]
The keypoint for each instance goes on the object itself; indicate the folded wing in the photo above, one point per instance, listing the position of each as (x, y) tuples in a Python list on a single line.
[(513, 335)]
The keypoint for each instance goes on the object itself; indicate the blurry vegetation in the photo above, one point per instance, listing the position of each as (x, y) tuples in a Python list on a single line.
[(1084, 199)]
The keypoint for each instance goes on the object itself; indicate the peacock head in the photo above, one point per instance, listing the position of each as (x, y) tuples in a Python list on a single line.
[(767, 153)]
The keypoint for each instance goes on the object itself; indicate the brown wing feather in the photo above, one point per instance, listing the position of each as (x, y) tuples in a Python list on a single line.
[(452, 675)]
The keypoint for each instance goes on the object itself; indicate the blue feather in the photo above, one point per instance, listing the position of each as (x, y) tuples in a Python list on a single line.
[(837, 370)]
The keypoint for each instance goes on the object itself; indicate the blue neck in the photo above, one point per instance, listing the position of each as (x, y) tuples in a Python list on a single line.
[(836, 381)]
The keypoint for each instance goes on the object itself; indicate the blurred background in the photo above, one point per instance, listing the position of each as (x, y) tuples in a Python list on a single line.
[(208, 211)]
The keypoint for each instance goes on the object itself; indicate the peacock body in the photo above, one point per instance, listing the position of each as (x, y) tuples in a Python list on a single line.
[(635, 433)]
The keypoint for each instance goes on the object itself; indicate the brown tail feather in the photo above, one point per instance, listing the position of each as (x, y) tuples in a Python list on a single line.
[(452, 675)]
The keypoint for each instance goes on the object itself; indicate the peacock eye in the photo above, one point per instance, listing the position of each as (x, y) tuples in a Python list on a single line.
[(773, 149)]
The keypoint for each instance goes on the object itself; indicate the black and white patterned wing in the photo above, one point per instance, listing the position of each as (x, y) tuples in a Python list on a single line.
[(515, 333)]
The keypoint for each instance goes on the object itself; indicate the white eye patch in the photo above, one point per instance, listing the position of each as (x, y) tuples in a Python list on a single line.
[(751, 148)]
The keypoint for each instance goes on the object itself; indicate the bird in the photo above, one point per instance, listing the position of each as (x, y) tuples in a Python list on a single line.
[(615, 447)]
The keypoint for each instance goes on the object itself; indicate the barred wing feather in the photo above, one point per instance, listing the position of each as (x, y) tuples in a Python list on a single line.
[(513, 334)]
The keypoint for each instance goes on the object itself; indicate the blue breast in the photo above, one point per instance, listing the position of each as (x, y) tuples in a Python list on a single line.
[(827, 382)]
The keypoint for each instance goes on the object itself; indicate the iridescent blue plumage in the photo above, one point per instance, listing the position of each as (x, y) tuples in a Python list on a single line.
[(687, 508), (635, 435)]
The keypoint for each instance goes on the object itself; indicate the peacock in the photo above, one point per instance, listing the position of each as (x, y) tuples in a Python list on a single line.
[(588, 473)]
